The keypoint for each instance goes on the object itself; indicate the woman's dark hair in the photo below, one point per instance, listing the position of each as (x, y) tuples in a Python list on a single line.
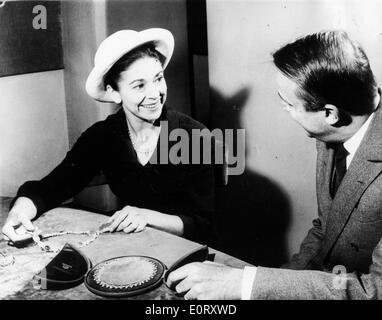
[(329, 68), (146, 50)]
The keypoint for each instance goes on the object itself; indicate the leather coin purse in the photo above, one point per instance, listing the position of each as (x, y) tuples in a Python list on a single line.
[(119, 277), (125, 276), (66, 270), (128, 276)]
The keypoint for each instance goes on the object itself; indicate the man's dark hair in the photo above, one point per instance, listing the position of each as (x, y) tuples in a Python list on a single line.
[(146, 50), (329, 68)]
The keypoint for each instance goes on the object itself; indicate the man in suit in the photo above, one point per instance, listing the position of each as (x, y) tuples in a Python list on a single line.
[(326, 84)]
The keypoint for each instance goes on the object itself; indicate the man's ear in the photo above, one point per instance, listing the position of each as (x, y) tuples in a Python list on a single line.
[(332, 114), (114, 94)]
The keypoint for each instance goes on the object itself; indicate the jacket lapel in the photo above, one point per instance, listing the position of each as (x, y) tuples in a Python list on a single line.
[(365, 167), (325, 158)]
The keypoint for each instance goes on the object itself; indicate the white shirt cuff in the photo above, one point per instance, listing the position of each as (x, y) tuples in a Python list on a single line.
[(249, 275)]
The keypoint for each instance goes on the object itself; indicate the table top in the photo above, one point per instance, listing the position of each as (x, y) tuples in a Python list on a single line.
[(16, 280)]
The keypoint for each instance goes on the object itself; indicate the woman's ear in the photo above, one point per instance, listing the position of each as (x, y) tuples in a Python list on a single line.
[(114, 94), (332, 114)]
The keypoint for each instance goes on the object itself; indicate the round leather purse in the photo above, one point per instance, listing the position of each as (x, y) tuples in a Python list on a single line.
[(125, 276)]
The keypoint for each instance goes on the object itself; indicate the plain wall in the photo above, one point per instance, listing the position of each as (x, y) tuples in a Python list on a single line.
[(270, 207), (33, 127), (84, 27)]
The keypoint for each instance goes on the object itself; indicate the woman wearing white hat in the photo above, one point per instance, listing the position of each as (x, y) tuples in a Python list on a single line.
[(179, 199)]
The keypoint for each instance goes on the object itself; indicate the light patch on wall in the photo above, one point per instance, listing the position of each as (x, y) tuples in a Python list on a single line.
[(33, 127)]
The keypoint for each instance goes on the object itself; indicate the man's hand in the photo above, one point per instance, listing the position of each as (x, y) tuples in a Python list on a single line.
[(207, 281), (129, 219), (19, 221)]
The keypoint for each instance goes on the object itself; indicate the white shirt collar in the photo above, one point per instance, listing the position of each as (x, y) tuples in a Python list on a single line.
[(352, 144)]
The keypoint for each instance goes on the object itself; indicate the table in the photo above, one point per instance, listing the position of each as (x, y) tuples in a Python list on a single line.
[(15, 280)]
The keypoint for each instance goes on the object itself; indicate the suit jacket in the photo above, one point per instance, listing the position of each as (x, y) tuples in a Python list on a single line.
[(345, 237)]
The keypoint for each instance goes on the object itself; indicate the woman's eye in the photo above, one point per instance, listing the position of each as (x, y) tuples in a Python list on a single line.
[(159, 79), (139, 86)]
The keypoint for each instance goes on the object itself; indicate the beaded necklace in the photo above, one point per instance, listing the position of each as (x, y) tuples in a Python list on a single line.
[(143, 153), (46, 248), (8, 259)]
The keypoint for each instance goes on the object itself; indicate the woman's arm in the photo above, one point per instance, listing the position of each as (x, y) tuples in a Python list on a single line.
[(163, 221), (134, 219)]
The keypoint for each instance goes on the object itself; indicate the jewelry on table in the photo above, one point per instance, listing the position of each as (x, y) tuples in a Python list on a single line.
[(48, 248), (8, 259)]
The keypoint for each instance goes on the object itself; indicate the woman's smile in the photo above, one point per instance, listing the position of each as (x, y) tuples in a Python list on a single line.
[(151, 106)]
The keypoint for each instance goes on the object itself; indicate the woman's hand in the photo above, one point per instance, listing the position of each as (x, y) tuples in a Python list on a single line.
[(134, 219), (19, 220), (129, 219)]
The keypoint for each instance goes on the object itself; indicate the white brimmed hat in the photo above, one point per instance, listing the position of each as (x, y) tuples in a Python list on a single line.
[(118, 44)]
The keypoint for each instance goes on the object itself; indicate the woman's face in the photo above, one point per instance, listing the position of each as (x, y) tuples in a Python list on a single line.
[(142, 89)]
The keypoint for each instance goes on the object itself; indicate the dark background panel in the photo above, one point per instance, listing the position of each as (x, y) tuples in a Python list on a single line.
[(197, 27), (24, 49)]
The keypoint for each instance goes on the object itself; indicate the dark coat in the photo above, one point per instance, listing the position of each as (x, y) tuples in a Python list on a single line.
[(185, 190)]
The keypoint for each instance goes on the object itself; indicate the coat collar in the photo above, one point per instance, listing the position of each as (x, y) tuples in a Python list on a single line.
[(365, 167)]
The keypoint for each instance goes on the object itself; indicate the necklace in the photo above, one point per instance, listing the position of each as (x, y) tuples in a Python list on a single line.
[(48, 248), (146, 151), (150, 143), (8, 259)]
